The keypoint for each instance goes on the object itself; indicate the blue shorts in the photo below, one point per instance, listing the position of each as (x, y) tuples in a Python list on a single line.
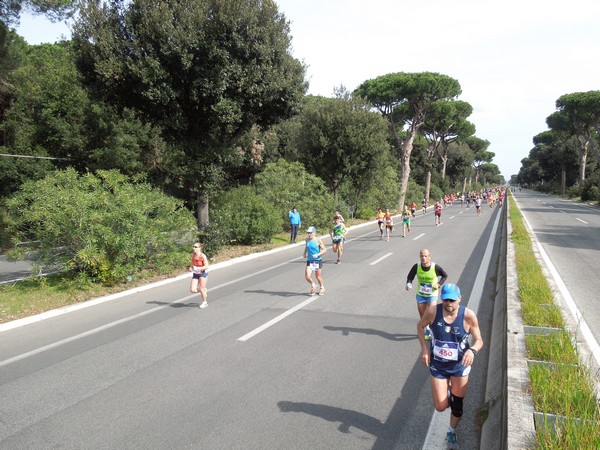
[(318, 262), (203, 274), (421, 299), (444, 371)]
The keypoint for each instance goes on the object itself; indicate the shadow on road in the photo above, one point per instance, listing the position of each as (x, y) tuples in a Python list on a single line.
[(391, 336)]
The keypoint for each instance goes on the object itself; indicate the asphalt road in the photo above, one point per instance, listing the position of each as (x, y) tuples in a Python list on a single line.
[(342, 371), (569, 233)]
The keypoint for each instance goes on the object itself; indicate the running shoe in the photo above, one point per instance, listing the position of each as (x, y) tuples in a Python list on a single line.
[(313, 289), (451, 443), (322, 291), (338, 262), (204, 304)]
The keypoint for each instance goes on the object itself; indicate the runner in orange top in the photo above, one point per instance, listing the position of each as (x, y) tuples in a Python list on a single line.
[(380, 222), (200, 274)]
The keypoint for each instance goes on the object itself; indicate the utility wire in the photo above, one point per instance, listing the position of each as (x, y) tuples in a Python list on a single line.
[(31, 156)]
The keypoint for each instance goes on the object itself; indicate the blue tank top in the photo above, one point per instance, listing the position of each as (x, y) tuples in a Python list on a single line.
[(312, 248), (449, 341)]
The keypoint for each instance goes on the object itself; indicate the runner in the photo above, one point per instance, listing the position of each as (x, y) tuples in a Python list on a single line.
[(405, 221), (424, 205), (450, 356), (338, 236), (430, 277), (413, 209), (389, 223), (380, 222), (478, 205), (313, 251), (200, 273), (438, 214)]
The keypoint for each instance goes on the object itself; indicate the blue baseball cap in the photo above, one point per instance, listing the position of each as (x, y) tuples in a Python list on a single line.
[(450, 291)]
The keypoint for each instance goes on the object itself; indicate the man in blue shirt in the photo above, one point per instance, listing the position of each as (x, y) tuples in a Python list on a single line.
[(295, 223)]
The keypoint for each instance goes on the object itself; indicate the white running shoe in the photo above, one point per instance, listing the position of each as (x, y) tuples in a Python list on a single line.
[(204, 304)]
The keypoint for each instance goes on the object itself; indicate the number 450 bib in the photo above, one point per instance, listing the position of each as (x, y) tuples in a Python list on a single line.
[(447, 351)]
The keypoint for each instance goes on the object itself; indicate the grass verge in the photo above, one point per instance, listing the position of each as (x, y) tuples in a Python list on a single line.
[(563, 388)]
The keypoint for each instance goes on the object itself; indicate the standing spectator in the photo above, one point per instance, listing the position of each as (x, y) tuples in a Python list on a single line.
[(295, 223)]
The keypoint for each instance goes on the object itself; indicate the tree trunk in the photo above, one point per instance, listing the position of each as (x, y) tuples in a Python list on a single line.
[(202, 209), (583, 153), (428, 185), (407, 147), (444, 162), (464, 186), (563, 181)]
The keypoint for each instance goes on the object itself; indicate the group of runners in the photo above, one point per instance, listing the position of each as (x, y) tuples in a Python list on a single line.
[(448, 332)]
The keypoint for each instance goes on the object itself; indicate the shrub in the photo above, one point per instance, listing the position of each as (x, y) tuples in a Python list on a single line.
[(435, 193), (246, 217), (102, 225), (414, 193), (286, 185)]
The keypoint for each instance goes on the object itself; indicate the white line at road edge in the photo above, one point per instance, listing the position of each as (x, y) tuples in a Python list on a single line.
[(281, 316), (562, 287), (582, 221), (419, 236), (380, 259), (438, 427)]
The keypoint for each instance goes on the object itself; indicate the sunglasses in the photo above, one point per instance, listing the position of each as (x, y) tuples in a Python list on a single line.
[(452, 300)]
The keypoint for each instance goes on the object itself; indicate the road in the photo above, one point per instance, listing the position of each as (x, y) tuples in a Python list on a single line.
[(152, 370), (569, 233)]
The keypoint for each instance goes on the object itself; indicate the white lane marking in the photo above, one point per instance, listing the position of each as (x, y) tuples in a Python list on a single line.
[(380, 259), (436, 434), (128, 319), (280, 317), (85, 334), (452, 217), (419, 236), (582, 221)]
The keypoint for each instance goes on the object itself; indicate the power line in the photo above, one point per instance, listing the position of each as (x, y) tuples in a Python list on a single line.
[(33, 157)]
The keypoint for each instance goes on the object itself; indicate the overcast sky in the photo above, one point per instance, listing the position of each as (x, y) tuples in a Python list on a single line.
[(512, 58)]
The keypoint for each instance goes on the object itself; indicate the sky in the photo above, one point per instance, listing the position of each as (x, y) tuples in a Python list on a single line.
[(512, 58)]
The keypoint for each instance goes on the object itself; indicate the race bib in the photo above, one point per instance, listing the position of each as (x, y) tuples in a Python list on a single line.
[(426, 288), (446, 350), (314, 265)]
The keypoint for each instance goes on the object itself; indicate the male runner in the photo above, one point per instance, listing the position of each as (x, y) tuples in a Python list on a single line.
[(430, 277), (456, 340)]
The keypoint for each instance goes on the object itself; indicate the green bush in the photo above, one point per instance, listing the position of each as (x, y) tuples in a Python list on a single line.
[(102, 225), (435, 193), (246, 217), (286, 185), (590, 191), (414, 193)]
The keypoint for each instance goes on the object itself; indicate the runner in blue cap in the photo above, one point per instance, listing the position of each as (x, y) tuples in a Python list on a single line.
[(456, 339)]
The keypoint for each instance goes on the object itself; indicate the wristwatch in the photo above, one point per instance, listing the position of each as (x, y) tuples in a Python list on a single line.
[(473, 350)]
